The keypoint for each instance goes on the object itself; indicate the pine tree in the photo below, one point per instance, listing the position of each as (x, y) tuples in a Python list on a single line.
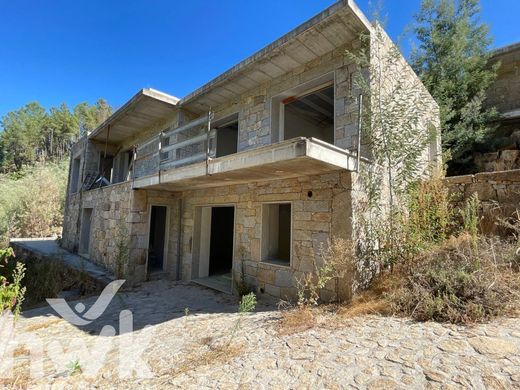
[(452, 61)]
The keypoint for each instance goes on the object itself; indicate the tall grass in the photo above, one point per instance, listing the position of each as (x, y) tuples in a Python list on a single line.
[(32, 201)]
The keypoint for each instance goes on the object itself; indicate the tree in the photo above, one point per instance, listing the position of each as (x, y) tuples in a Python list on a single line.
[(452, 62), (31, 134), (90, 117), (61, 130), (21, 135), (399, 124)]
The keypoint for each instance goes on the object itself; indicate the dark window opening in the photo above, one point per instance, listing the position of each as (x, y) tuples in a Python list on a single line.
[(221, 243), (126, 160), (157, 238), (227, 137), (106, 167), (310, 115), (276, 233), (74, 178)]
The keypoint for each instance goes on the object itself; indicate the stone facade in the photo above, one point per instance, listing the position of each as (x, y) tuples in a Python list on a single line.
[(502, 152), (320, 213), (321, 205), (499, 193)]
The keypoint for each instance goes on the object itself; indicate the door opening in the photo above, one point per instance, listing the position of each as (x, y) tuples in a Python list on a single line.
[(213, 261), (221, 240), (157, 238)]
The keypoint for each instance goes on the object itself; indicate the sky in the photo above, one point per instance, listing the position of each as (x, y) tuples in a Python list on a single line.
[(74, 51)]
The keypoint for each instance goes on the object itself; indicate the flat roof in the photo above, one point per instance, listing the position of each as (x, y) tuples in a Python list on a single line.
[(505, 49), (145, 108), (332, 28)]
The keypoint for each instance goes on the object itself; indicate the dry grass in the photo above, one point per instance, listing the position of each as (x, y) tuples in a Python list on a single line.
[(20, 377), (42, 325), (464, 280), (297, 320), (366, 303), (21, 351), (211, 355)]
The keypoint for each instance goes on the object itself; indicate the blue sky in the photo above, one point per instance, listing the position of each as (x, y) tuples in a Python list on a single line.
[(73, 51)]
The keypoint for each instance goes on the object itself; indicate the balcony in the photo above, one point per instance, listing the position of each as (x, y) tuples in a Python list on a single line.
[(184, 158)]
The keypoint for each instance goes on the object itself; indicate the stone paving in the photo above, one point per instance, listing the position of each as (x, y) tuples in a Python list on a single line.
[(196, 348)]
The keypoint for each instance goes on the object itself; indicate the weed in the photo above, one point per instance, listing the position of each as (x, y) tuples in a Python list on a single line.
[(12, 293), (247, 305), (296, 320), (336, 263), (74, 367)]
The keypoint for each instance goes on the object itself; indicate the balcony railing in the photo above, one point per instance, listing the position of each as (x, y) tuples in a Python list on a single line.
[(172, 148)]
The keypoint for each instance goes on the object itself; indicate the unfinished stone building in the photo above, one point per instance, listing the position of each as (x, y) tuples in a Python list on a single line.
[(502, 152), (252, 189)]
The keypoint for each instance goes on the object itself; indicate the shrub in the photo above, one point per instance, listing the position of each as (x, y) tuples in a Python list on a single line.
[(11, 292), (440, 267), (32, 201), (335, 263), (460, 281), (46, 278)]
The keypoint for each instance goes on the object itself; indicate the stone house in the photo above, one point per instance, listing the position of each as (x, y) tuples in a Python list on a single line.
[(247, 177), (503, 151)]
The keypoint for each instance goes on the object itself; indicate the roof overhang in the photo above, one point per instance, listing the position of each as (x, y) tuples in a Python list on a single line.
[(283, 160), (146, 108), (333, 28)]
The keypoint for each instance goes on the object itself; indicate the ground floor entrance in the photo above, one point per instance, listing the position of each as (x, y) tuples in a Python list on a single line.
[(157, 238), (216, 235)]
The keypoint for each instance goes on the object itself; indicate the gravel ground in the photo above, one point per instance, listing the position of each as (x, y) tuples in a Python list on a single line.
[(186, 336)]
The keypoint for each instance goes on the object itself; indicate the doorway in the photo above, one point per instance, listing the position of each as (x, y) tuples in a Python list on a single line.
[(86, 224), (157, 238), (216, 226), (221, 240)]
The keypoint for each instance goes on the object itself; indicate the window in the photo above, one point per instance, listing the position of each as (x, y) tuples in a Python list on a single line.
[(74, 178), (276, 233), (310, 115), (305, 111), (125, 162), (106, 165), (227, 136)]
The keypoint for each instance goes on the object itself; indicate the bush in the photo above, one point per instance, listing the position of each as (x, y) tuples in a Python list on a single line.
[(11, 292), (32, 201), (459, 282), (440, 267), (46, 278)]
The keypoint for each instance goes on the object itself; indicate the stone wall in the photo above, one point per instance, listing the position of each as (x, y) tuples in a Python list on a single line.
[(502, 150), (504, 94), (254, 107), (320, 211), (499, 193)]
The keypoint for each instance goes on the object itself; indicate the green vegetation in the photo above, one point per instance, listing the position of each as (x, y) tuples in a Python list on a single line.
[(452, 61), (448, 271), (31, 134), (32, 201), (43, 279), (11, 291), (74, 367), (34, 147)]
